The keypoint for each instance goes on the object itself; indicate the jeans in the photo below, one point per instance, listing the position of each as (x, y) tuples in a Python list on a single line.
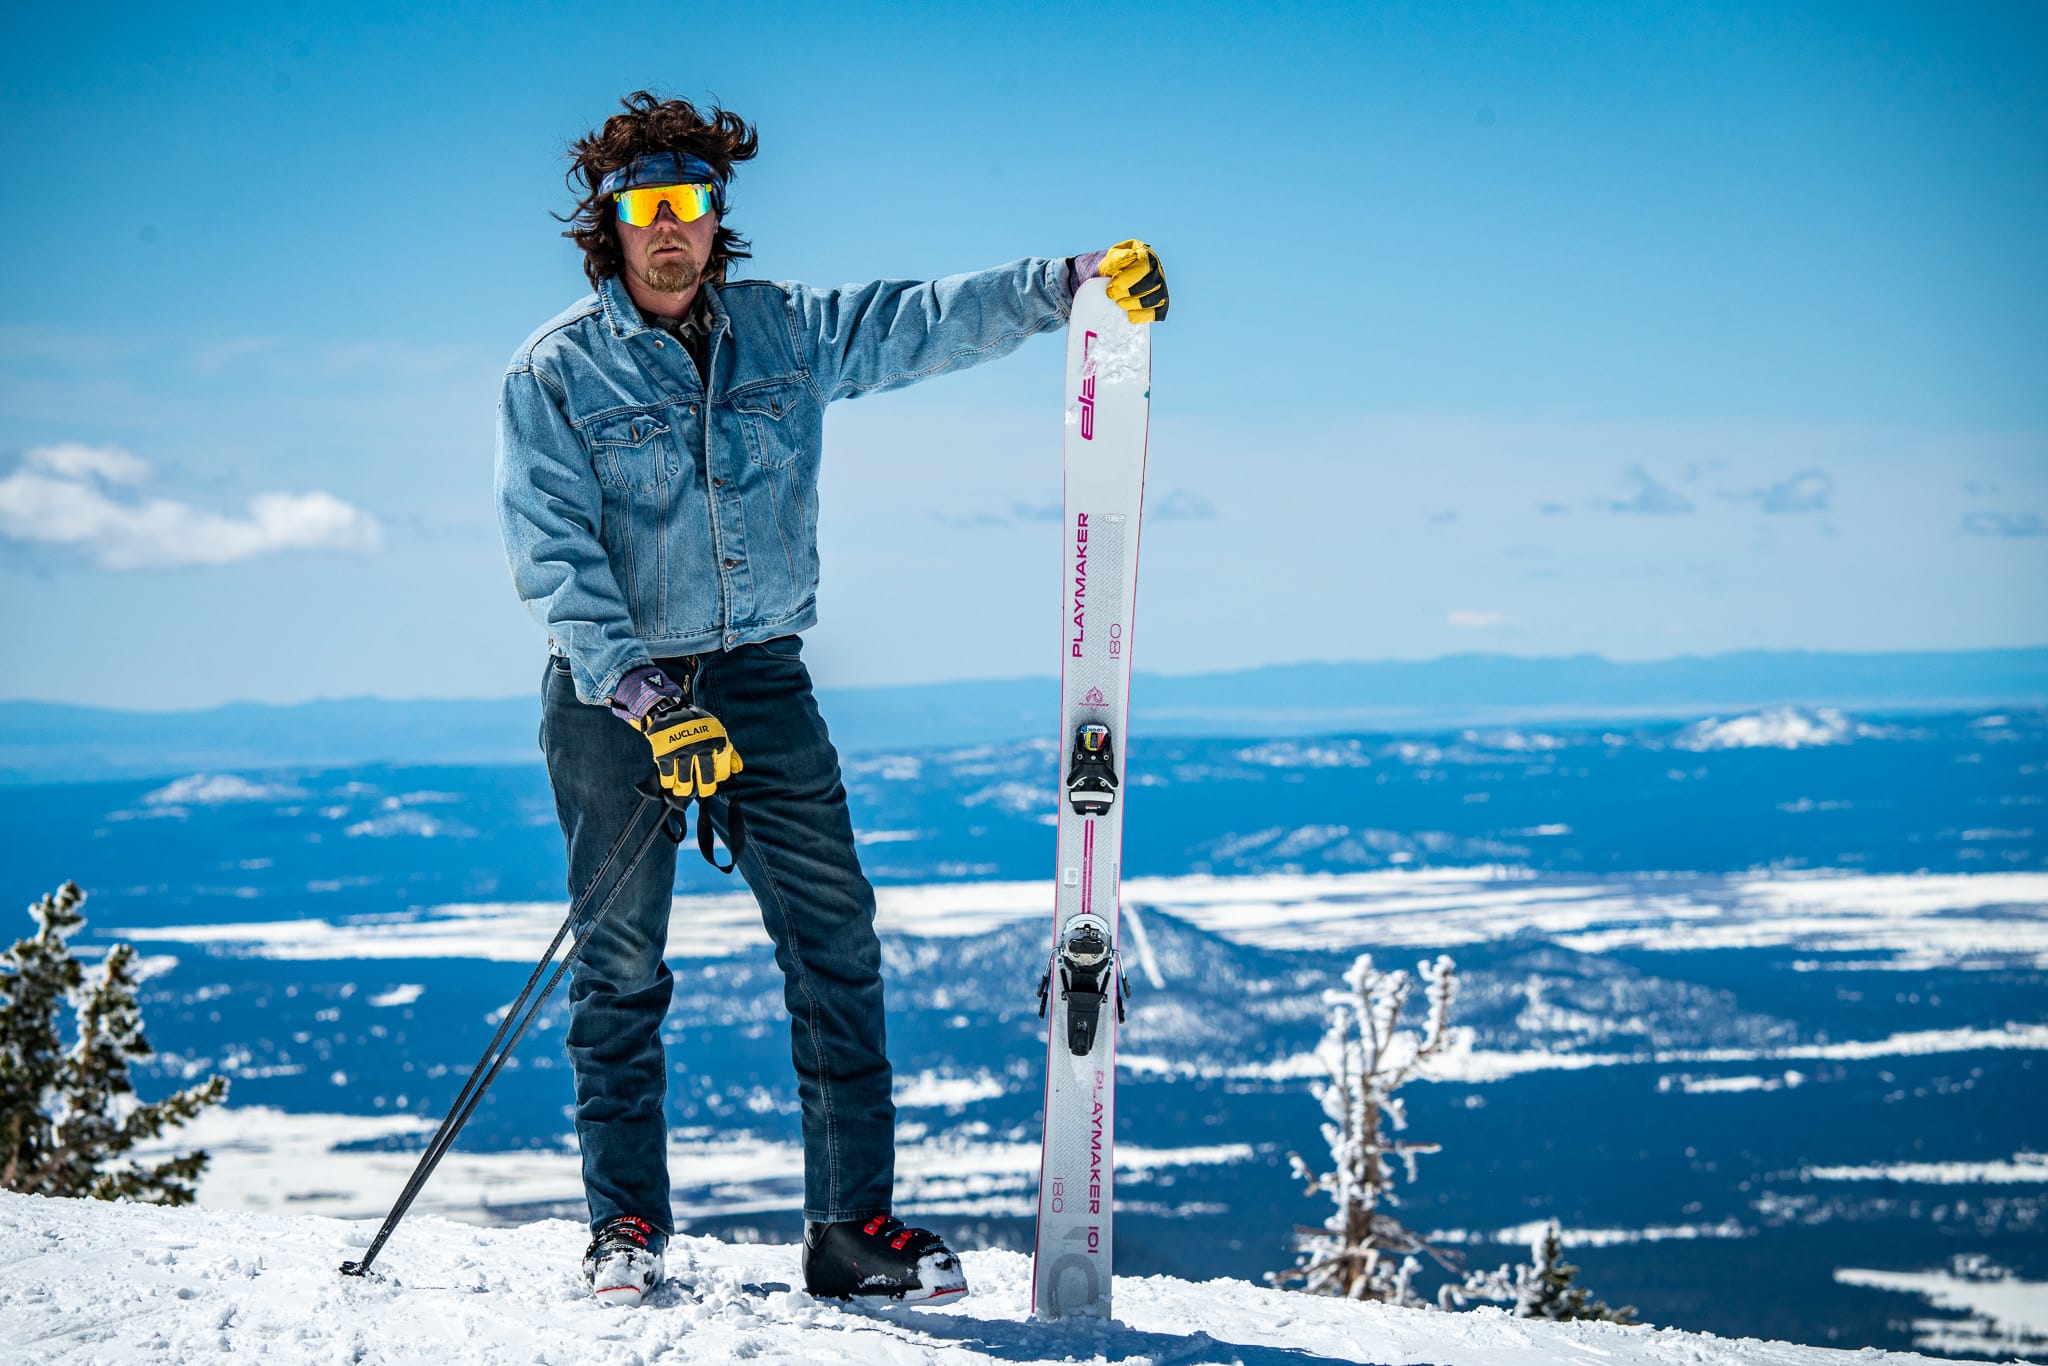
[(818, 909)]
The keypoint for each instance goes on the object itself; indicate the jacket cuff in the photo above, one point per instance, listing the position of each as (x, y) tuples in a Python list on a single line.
[(642, 686)]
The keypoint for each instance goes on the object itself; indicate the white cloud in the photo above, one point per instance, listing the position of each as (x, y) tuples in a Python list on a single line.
[(56, 497), (1806, 491), (75, 460), (1466, 619), (2015, 524), (1182, 505), (1650, 497)]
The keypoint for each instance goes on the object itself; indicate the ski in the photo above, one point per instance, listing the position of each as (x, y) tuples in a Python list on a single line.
[(1081, 993)]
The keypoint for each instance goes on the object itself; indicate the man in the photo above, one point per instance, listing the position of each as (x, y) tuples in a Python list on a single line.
[(657, 484)]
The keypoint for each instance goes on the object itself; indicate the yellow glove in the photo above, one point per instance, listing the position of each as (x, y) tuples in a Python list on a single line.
[(1137, 282), (691, 749)]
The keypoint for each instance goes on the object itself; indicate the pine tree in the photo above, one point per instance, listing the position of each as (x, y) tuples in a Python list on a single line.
[(1542, 1289), (68, 1114), (1362, 1251)]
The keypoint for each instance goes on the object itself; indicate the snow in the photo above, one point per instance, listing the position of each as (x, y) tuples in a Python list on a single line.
[(1513, 741), (1915, 921), (400, 822), (2007, 1316), (1121, 354), (1521, 1235), (2024, 1169), (94, 1282), (215, 789), (265, 1160), (1019, 799), (1475, 1065), (404, 994), (1778, 728), (1140, 944), (933, 1089), (1308, 754), (1706, 1086)]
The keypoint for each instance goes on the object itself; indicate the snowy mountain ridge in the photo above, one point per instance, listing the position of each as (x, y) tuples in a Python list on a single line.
[(93, 1282)]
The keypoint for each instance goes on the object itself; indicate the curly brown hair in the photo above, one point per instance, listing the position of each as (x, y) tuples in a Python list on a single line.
[(650, 124)]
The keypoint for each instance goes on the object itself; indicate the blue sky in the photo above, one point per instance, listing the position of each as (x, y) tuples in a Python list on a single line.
[(1540, 328)]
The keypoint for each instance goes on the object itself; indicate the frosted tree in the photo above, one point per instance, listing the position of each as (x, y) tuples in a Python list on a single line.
[(68, 1114), (1362, 1251), (1541, 1289)]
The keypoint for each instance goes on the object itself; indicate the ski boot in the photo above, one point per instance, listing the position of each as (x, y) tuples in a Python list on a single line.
[(879, 1259), (623, 1262)]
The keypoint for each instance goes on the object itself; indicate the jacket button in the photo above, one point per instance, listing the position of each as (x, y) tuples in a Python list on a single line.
[(730, 639), (731, 564), (718, 483), (693, 410), (657, 343)]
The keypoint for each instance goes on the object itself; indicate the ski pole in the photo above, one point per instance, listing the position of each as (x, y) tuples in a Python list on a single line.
[(487, 1067)]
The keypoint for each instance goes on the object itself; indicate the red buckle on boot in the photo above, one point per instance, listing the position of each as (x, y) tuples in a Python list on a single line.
[(874, 1225)]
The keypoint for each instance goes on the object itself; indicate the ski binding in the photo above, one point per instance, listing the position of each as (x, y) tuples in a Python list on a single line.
[(1090, 972)]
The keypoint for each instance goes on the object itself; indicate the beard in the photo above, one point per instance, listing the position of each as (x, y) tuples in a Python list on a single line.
[(671, 273)]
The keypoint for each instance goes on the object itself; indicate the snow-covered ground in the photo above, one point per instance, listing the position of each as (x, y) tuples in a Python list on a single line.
[(92, 1282), (265, 1160), (1908, 922)]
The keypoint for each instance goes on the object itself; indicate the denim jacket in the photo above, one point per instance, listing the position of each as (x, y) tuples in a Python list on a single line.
[(649, 511)]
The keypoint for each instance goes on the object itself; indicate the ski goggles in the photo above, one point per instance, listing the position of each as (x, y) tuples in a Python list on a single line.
[(685, 183), (640, 206)]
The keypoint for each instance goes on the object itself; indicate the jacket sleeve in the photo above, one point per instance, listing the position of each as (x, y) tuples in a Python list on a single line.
[(861, 339), (549, 512)]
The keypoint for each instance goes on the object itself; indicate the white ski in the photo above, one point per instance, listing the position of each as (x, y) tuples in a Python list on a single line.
[(1109, 390)]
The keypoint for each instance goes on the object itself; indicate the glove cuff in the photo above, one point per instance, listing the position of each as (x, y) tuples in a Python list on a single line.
[(640, 689)]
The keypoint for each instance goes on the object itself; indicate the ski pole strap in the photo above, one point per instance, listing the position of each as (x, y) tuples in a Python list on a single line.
[(675, 823), (735, 837)]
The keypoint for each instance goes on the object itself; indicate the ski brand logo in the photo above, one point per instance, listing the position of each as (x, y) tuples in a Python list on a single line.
[(1080, 579), (1087, 389), (1095, 1162), (1094, 698)]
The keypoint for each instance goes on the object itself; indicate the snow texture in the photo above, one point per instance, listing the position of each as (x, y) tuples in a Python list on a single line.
[(1907, 922), (94, 1282), (1778, 728), (2004, 1315), (1363, 1252), (348, 1166), (216, 789), (1121, 353)]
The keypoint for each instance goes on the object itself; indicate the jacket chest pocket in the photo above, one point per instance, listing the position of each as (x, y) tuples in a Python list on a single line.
[(632, 451), (766, 415)]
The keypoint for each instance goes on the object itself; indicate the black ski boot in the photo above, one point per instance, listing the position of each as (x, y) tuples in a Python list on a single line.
[(880, 1259), (623, 1262)]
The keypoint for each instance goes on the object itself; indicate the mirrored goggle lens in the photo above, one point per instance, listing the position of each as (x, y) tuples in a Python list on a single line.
[(688, 202)]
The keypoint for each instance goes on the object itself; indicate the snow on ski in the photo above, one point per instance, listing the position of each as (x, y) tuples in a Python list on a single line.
[(1109, 383)]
